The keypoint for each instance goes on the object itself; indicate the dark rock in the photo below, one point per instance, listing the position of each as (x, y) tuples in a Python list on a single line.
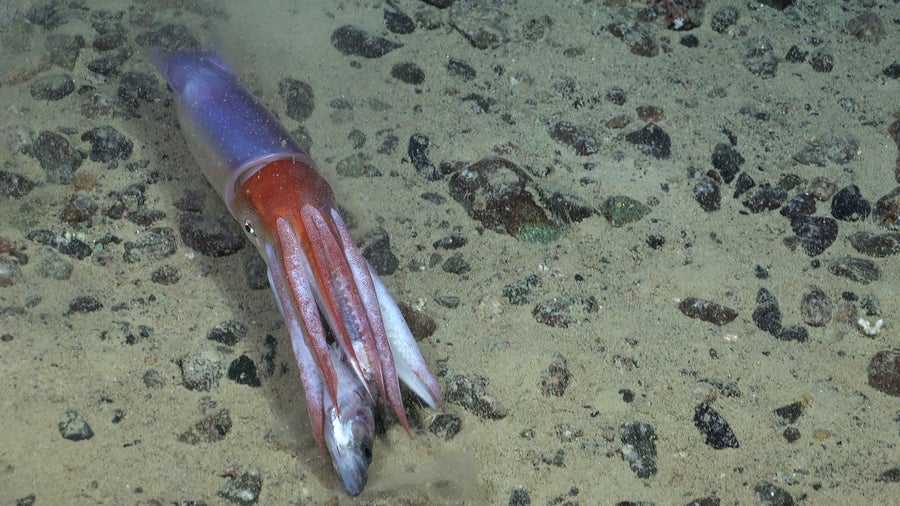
[(229, 332), (892, 475), (840, 148), (243, 371), (887, 210), (139, 85), (858, 269), (884, 372), (621, 210), (519, 291), (652, 140), (64, 242), (127, 202), (793, 333), (561, 311), (581, 139), (707, 311), (298, 98), (556, 380), (110, 40), (801, 204), (108, 64), (165, 275), (375, 246), (354, 41), (743, 185), (450, 242), (456, 264), (52, 87), (765, 198), (706, 193), (639, 439), (714, 426), (791, 434), (256, 272), (815, 307), (876, 245), (892, 71), (57, 157), (209, 236), (210, 429), (445, 426), (153, 244), (849, 205), (408, 72), (519, 496), (460, 69), (499, 194), (790, 413), (79, 209), (565, 208), (637, 37), (727, 161), (767, 315), (396, 21), (723, 19), (472, 395), (15, 185), (822, 61), (795, 55), (420, 324), (418, 154), (74, 427), (84, 304), (770, 495), (107, 144), (760, 58), (170, 37), (816, 233)]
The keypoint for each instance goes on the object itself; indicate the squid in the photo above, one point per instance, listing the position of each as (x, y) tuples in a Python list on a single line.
[(316, 272)]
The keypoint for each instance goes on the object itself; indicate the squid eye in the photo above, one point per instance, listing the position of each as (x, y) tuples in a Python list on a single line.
[(249, 228)]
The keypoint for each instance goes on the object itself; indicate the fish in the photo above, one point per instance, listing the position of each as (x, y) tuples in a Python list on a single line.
[(316, 272)]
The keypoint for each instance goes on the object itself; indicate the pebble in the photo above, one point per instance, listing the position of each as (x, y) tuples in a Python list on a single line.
[(727, 161), (375, 246), (420, 324), (244, 488), (621, 210), (57, 157), (209, 429), (79, 209), (557, 377), (52, 87), (839, 148), (74, 427), (858, 269), (519, 291), (397, 21), (800, 204), (759, 57), (849, 205), (790, 413), (816, 233), (84, 304), (63, 241), (639, 440), (887, 210), (63, 49), (714, 426), (815, 307), (170, 36), (636, 36), (229, 332), (354, 41), (200, 371), (153, 244), (499, 194), (108, 65), (15, 185), (884, 372), (560, 312), (243, 371), (767, 315), (256, 272), (822, 188), (771, 495), (706, 193), (765, 198), (708, 311), (417, 149), (208, 236), (652, 140), (298, 97), (408, 72), (579, 138), (445, 426), (456, 264), (166, 275), (472, 395), (107, 144), (876, 245), (461, 69)]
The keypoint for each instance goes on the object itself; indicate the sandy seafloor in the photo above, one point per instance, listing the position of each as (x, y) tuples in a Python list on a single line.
[(849, 431)]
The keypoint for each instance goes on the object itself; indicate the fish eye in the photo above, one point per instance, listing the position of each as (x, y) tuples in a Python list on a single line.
[(366, 448), (248, 227)]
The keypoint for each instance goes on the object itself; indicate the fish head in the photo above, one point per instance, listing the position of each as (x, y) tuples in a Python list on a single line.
[(349, 437)]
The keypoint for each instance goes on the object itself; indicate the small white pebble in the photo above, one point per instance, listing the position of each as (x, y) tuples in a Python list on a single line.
[(870, 329)]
